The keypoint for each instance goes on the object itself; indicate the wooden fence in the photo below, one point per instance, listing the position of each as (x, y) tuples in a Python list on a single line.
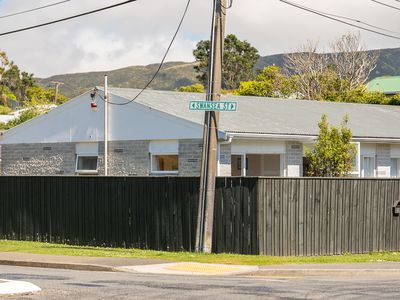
[(147, 213), (327, 216), (273, 216)]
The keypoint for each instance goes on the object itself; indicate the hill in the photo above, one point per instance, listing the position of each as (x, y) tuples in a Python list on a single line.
[(172, 76), (177, 74), (388, 62)]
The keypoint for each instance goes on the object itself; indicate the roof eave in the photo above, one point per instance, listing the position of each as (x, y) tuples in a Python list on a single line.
[(305, 137)]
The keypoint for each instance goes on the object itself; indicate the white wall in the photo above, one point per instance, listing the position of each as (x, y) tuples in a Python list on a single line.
[(258, 147)]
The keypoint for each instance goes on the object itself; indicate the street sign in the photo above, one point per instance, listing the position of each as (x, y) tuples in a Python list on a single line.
[(213, 105)]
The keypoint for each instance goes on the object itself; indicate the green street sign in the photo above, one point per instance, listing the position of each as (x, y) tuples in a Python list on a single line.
[(213, 105)]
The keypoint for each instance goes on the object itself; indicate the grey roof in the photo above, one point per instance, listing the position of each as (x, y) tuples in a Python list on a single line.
[(259, 115)]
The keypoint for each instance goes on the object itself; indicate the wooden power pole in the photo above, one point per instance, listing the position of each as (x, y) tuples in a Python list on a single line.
[(56, 88), (210, 136)]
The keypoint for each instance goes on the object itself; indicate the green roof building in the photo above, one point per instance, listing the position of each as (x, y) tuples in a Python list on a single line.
[(389, 85)]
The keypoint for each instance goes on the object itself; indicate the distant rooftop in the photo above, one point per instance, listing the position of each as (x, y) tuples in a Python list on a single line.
[(258, 115), (389, 85)]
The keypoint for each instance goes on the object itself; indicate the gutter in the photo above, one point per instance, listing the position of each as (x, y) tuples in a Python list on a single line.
[(227, 140), (273, 136), (305, 138)]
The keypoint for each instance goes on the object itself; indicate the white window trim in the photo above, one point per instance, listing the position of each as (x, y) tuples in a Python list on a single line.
[(358, 163), (152, 172), (86, 171)]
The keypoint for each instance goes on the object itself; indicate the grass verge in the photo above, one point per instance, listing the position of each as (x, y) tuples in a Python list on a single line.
[(60, 249)]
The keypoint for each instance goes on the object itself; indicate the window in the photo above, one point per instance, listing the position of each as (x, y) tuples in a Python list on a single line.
[(394, 167), (86, 158), (86, 164), (356, 161), (165, 164), (164, 158), (368, 166)]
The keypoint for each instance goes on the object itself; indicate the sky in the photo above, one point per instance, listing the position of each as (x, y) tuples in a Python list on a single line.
[(138, 33)]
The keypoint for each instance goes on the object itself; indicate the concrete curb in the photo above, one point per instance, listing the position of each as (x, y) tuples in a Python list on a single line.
[(191, 268), (325, 272), (266, 272), (53, 265)]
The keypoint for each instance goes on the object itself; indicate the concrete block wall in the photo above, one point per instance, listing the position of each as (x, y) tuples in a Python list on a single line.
[(38, 159), (126, 158), (190, 152), (225, 168), (383, 160), (294, 159)]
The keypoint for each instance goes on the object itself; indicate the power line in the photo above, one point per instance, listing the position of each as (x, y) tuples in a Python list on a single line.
[(33, 9), (387, 5), (325, 15), (67, 18), (357, 21), (161, 63)]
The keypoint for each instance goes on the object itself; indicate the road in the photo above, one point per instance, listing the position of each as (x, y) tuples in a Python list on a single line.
[(68, 284)]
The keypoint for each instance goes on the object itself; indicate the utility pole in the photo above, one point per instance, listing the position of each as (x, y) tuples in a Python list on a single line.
[(105, 125), (210, 135), (56, 86)]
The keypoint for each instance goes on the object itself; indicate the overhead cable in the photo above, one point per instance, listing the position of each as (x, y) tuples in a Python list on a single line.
[(387, 5), (325, 15), (67, 18), (33, 9), (357, 21), (161, 63)]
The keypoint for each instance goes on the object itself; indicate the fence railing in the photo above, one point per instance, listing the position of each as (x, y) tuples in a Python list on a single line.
[(272, 216)]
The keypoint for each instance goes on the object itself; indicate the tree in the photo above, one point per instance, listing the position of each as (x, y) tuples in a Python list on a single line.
[(352, 61), (239, 59), (18, 85), (346, 67), (194, 88), (3, 67), (333, 154), (26, 115), (269, 83), (39, 95)]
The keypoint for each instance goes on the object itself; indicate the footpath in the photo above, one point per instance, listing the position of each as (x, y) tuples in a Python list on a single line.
[(154, 266)]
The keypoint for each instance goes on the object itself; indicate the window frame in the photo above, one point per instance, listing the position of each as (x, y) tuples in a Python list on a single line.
[(154, 172), (397, 158), (363, 165), (357, 171), (87, 171)]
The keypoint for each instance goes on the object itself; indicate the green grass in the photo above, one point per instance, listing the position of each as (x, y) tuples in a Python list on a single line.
[(58, 249)]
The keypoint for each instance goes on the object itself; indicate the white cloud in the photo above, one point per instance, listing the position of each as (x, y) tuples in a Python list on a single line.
[(139, 33)]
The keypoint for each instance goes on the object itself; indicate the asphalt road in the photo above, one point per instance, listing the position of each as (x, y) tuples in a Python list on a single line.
[(67, 284)]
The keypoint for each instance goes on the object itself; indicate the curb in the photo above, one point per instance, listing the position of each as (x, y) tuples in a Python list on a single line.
[(325, 272), (52, 265), (259, 273)]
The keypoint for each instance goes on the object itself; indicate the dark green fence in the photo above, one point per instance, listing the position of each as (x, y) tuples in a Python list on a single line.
[(273, 216)]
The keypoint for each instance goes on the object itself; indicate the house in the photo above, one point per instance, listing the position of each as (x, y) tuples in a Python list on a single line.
[(157, 134), (389, 85)]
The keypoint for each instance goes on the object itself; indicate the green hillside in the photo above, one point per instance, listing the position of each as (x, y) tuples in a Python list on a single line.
[(177, 74), (172, 76)]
